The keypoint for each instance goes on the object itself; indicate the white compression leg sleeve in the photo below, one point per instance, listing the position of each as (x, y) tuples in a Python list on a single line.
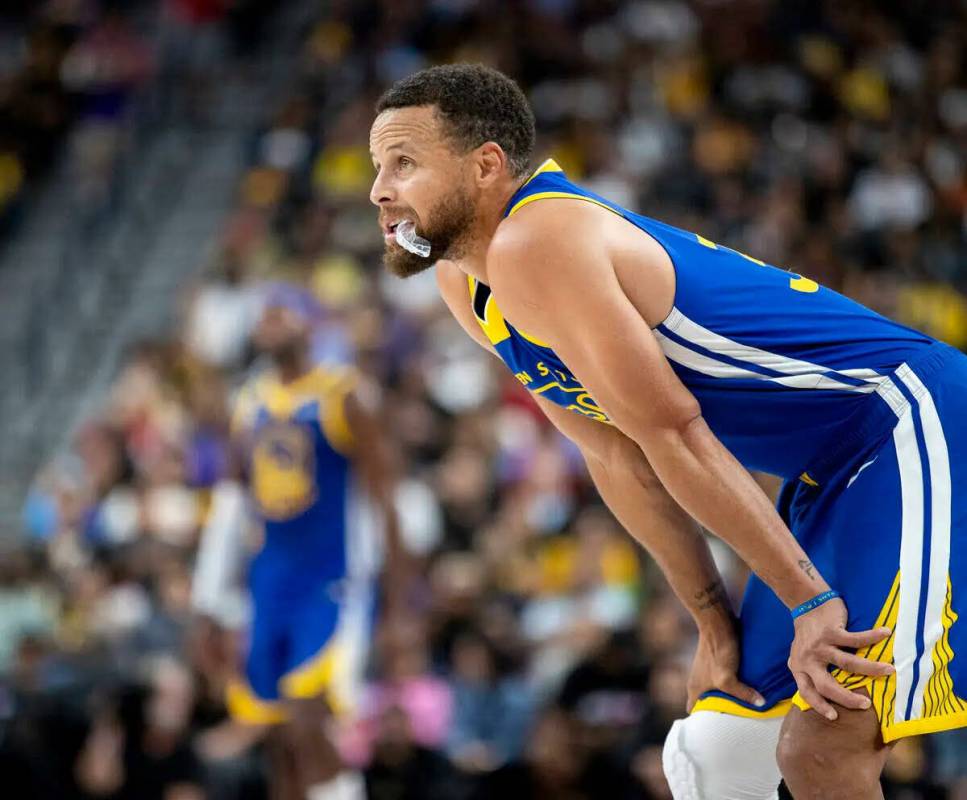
[(713, 756)]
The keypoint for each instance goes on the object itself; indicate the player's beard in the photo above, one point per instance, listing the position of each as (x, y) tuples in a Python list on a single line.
[(447, 228)]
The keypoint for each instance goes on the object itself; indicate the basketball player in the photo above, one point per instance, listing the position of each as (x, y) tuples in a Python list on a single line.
[(309, 440), (677, 364)]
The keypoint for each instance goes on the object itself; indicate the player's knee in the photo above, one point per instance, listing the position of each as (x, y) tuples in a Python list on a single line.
[(794, 760), (711, 755), (812, 768)]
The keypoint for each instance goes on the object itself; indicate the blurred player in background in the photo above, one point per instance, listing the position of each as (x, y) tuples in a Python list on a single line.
[(316, 467), (675, 364)]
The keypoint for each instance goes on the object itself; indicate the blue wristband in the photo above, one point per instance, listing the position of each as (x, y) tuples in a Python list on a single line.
[(816, 602)]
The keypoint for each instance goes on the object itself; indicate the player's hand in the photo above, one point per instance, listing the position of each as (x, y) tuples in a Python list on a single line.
[(822, 639), (716, 666)]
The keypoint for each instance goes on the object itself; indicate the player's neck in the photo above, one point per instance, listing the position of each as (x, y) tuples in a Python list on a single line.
[(292, 366), (473, 260)]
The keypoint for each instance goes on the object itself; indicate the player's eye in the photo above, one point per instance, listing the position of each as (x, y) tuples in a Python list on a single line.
[(405, 161)]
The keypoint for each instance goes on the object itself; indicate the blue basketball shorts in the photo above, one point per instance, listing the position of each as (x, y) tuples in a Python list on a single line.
[(884, 519), (304, 641)]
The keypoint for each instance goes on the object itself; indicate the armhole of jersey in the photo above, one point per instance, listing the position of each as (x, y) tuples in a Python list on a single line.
[(333, 420), (489, 318)]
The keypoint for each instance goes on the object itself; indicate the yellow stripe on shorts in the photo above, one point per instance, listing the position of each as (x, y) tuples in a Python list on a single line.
[(942, 709)]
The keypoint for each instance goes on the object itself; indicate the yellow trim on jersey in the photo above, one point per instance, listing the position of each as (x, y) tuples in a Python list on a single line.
[(282, 399), (942, 709), (561, 196), (533, 339), (279, 400), (316, 676), (493, 322), (725, 706), (327, 385), (245, 706), (548, 166)]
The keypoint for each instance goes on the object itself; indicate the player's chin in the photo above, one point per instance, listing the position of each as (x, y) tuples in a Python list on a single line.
[(404, 264)]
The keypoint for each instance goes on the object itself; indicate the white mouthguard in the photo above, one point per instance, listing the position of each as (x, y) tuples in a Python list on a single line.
[(408, 239)]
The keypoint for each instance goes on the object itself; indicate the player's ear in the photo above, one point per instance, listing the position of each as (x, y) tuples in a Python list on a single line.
[(490, 161)]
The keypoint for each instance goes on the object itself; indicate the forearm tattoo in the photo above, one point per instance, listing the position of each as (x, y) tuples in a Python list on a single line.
[(807, 566), (712, 595)]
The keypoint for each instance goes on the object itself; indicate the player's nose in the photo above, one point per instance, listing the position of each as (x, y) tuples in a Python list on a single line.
[(381, 191)]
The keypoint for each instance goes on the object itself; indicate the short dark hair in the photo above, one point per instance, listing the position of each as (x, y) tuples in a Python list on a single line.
[(476, 103)]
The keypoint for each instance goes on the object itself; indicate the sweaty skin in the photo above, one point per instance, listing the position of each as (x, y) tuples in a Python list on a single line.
[(559, 262)]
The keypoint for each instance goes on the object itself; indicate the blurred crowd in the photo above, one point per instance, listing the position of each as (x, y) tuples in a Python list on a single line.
[(543, 655), (68, 74), (79, 79)]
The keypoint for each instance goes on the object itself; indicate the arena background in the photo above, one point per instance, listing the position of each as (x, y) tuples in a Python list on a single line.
[(161, 161)]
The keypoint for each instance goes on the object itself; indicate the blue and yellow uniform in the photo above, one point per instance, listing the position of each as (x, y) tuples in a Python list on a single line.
[(862, 417), (308, 582)]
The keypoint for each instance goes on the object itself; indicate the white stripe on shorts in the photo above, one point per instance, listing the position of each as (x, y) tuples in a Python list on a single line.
[(911, 557), (939, 533)]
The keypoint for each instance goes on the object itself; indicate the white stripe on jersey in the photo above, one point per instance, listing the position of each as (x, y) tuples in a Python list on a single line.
[(813, 376), (701, 363)]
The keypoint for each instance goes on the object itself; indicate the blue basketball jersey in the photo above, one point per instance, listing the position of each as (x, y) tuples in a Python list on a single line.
[(310, 582), (297, 444), (787, 372)]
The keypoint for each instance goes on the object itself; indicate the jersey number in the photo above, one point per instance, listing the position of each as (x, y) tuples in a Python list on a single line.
[(797, 282)]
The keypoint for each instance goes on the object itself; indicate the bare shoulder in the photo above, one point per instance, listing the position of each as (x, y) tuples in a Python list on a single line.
[(544, 247), (549, 227), (562, 245)]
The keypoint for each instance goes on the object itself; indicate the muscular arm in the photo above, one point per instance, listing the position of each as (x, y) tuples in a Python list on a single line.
[(628, 485), (632, 491), (552, 274), (614, 354)]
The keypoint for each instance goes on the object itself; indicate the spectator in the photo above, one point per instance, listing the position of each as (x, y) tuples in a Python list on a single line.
[(139, 749), (401, 769), (492, 707), (553, 765)]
